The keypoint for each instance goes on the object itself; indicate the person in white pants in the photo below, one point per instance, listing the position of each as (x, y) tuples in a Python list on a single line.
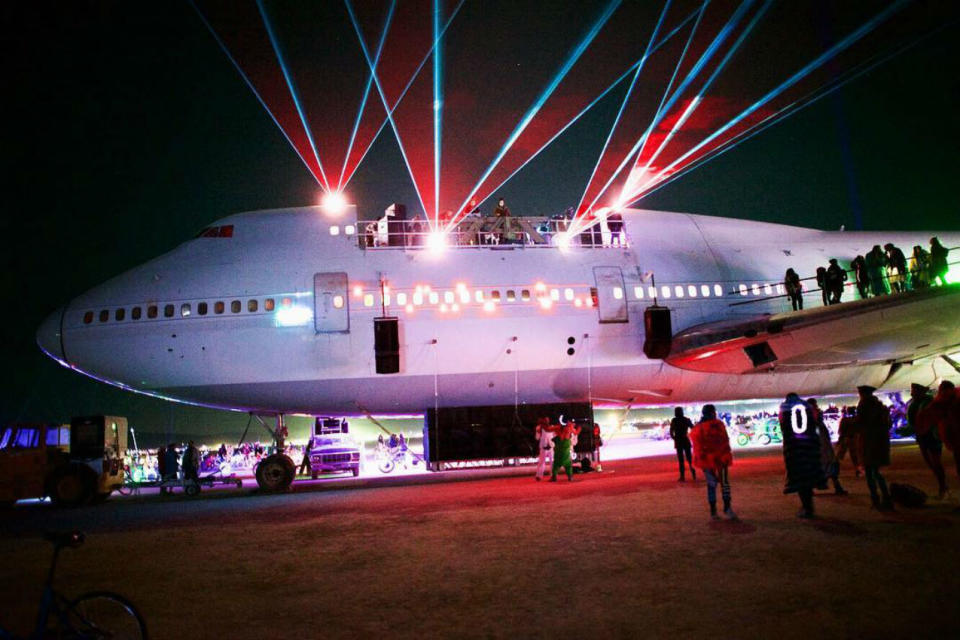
[(545, 447)]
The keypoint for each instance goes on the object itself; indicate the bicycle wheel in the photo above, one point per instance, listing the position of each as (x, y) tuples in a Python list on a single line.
[(102, 614)]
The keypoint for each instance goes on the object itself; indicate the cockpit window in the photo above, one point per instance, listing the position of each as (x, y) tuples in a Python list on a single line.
[(226, 231)]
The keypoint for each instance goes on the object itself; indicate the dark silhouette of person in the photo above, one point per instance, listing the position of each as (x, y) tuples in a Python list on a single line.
[(859, 266), (848, 438), (938, 262), (679, 428), (836, 276), (874, 421), (930, 446), (615, 224), (191, 462), (896, 267), (876, 262), (943, 412), (919, 268), (828, 459), (501, 210), (171, 465), (801, 452), (822, 283), (791, 281)]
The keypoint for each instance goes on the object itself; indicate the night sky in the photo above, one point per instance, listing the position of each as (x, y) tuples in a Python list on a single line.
[(127, 129)]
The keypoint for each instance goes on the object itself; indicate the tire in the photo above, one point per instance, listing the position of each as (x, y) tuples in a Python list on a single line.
[(743, 439), (102, 614), (764, 439), (386, 466), (71, 485), (275, 473)]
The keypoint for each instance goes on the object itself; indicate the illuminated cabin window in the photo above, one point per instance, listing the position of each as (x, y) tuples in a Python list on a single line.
[(386, 299), (417, 298), (705, 290), (555, 294), (338, 302), (401, 299), (568, 294), (202, 308), (767, 289), (464, 296), (717, 290), (104, 315), (781, 289), (692, 290), (235, 306), (185, 309), (268, 304), (617, 293), (652, 291), (434, 297), (218, 307), (511, 295), (743, 289), (448, 297), (478, 296), (119, 314), (152, 311), (755, 288), (495, 294), (286, 302), (349, 229), (665, 291), (135, 313), (334, 230), (252, 306), (368, 300), (168, 311), (638, 293), (525, 295), (678, 290), (88, 317)]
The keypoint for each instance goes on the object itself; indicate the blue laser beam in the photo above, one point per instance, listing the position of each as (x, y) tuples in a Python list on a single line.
[(291, 85), (592, 103), (691, 75), (784, 112), (437, 110), (820, 60), (366, 90), (256, 93), (544, 96)]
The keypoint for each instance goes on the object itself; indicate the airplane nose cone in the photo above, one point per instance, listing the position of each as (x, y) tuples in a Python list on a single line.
[(49, 337)]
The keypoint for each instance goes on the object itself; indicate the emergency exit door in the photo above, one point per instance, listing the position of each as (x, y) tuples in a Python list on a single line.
[(611, 296), (331, 313)]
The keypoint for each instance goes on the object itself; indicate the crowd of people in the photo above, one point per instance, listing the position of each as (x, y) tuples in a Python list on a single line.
[(882, 271)]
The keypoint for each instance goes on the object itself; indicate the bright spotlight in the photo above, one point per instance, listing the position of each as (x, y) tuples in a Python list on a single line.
[(562, 240), (437, 241), (334, 202)]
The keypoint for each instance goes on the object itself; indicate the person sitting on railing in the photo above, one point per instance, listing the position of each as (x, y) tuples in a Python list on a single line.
[(836, 276), (938, 262)]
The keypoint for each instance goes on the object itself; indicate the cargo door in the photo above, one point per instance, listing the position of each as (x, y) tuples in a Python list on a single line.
[(331, 313), (611, 297)]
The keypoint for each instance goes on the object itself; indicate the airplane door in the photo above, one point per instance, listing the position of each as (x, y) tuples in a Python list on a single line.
[(331, 313), (611, 296)]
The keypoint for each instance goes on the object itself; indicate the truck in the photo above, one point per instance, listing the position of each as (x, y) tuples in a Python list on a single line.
[(332, 449), (73, 464)]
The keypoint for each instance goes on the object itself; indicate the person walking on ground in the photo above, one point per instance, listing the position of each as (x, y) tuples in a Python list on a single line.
[(926, 434), (943, 412), (791, 281), (828, 459), (679, 427), (711, 453), (848, 439), (859, 266), (544, 446), (938, 262), (836, 276), (874, 421), (801, 452), (562, 447)]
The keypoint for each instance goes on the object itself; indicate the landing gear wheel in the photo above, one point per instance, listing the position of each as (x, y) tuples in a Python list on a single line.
[(275, 472), (101, 614), (71, 486)]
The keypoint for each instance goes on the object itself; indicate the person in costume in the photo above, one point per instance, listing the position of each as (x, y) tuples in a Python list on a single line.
[(562, 447), (711, 453), (923, 430), (801, 452), (544, 446), (828, 459)]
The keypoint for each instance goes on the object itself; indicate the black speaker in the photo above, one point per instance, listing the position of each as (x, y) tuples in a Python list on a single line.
[(658, 332), (386, 344)]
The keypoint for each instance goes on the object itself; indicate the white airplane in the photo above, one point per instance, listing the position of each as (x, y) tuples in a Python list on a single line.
[(274, 312)]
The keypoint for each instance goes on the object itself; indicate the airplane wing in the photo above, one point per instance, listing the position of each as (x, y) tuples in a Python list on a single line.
[(888, 329)]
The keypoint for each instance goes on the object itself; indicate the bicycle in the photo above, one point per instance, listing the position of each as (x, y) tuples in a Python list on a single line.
[(97, 614)]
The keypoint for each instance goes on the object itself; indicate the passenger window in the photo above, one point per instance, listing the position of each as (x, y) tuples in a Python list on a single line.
[(434, 297), (617, 293), (705, 291), (252, 306), (511, 295), (104, 315), (120, 314), (268, 304), (152, 311), (286, 302), (638, 293), (185, 309), (717, 290), (495, 295), (478, 296), (202, 308), (338, 302), (135, 313), (401, 298), (448, 297), (235, 306), (525, 295), (692, 290), (568, 294), (218, 307), (368, 299), (168, 311), (678, 290), (88, 317)]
